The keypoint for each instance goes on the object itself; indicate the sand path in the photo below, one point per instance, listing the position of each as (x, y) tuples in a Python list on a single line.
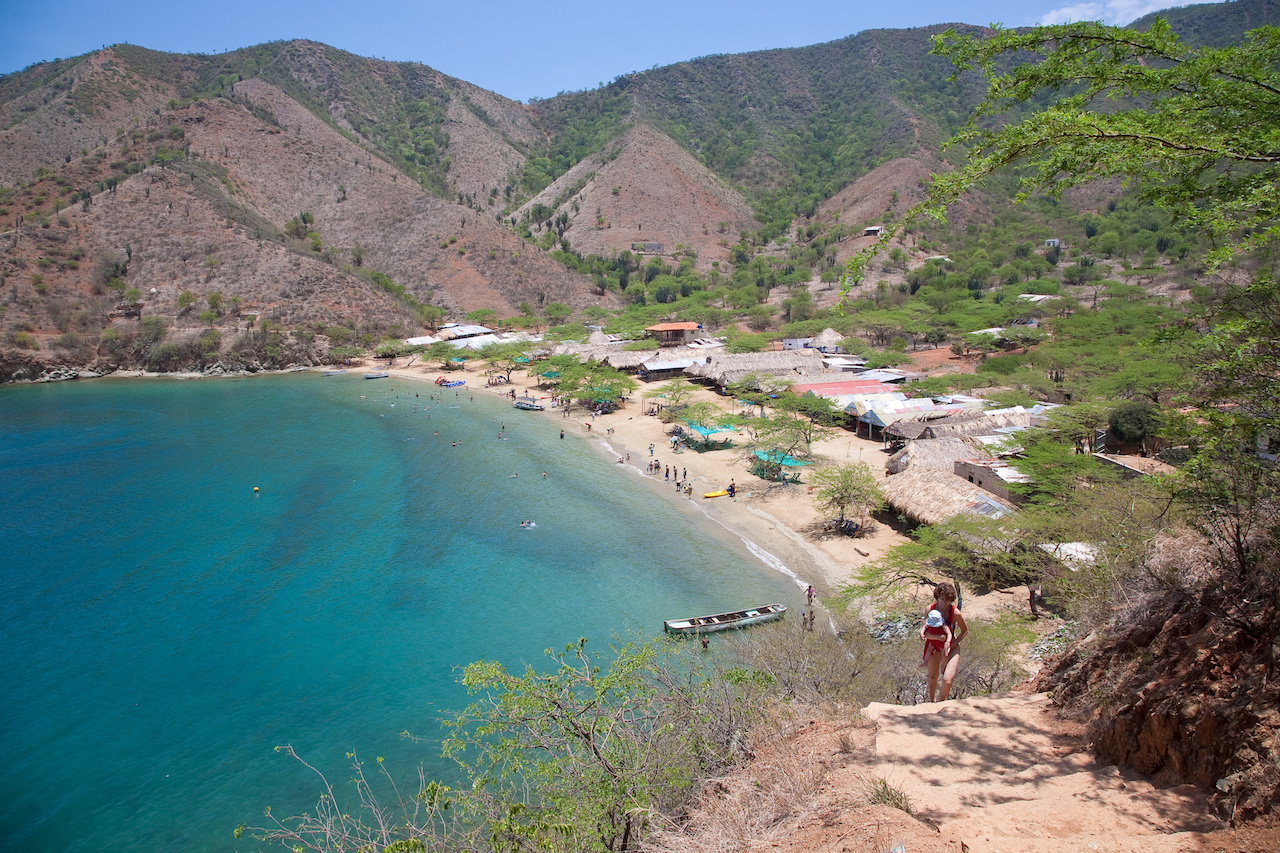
[(1003, 774)]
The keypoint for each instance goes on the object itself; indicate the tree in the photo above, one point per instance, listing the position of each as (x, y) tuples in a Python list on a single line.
[(707, 415), (505, 358), (572, 757), (342, 353), (556, 313), (442, 352), (1133, 422), (481, 316), (429, 315), (968, 548), (789, 432), (602, 749), (185, 300), (675, 393), (1079, 424), (217, 304), (847, 488), (1192, 126), (758, 388)]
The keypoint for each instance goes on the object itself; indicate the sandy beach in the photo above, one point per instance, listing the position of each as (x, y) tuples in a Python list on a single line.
[(781, 520)]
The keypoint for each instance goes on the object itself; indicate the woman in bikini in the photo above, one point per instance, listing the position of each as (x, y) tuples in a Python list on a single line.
[(946, 664)]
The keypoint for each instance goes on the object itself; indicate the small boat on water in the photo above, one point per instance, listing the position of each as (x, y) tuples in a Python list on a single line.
[(529, 404), (382, 374), (332, 372), (725, 621)]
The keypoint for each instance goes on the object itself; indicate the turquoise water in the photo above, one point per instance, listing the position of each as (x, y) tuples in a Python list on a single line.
[(164, 626)]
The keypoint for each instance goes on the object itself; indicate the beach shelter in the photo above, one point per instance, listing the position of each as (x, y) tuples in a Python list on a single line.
[(777, 457), (772, 465)]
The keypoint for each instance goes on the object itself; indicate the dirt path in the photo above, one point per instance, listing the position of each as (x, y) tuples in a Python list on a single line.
[(1003, 774)]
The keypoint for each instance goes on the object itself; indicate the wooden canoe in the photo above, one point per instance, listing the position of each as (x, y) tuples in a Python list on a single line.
[(725, 621)]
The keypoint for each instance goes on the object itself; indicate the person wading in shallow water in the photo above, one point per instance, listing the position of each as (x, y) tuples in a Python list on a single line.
[(947, 666)]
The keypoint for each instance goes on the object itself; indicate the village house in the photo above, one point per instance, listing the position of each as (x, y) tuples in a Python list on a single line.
[(675, 334), (995, 476)]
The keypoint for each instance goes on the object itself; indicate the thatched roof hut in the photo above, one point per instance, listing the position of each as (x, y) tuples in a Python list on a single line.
[(829, 340), (725, 368), (939, 454), (629, 360), (930, 496), (930, 425)]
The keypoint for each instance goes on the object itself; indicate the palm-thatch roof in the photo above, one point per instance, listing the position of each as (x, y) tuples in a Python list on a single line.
[(937, 453), (725, 368), (827, 338), (629, 360), (931, 496), (930, 425)]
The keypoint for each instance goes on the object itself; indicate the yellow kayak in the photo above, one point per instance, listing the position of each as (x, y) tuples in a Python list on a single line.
[(718, 494)]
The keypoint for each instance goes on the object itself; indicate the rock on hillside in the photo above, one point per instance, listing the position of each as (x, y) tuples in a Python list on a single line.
[(1185, 688), (644, 188)]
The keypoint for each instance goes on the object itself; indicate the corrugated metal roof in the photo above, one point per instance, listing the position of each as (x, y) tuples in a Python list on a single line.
[(458, 330), (676, 364)]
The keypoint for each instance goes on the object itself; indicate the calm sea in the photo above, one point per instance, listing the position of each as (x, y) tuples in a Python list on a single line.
[(164, 625)]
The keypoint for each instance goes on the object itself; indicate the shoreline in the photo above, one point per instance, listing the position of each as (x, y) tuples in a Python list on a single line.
[(770, 519), (776, 523)]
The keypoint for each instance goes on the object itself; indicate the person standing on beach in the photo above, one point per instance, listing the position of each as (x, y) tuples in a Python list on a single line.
[(809, 593), (650, 446)]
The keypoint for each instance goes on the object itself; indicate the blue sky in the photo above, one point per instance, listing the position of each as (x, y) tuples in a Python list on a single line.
[(521, 50)]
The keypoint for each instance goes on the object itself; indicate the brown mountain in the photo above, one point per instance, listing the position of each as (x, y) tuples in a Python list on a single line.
[(646, 189), (322, 191)]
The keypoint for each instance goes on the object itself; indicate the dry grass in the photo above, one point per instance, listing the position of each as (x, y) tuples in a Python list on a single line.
[(740, 811), (883, 792)]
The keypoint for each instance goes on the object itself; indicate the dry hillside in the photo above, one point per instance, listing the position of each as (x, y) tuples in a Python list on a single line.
[(645, 188)]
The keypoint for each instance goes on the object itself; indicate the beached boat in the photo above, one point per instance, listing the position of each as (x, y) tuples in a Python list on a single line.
[(382, 374), (725, 621), (529, 404), (332, 372), (716, 494)]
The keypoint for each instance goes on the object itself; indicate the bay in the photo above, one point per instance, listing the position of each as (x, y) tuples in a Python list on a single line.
[(165, 626)]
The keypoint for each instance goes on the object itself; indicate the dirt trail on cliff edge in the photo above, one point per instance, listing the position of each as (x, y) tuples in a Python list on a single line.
[(1004, 774)]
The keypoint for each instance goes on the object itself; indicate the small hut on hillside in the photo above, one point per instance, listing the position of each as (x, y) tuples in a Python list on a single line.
[(828, 341)]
